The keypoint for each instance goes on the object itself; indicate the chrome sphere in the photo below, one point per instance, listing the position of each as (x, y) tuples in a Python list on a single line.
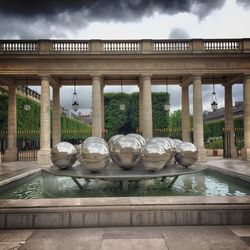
[(126, 152), (165, 144), (139, 138), (112, 140), (186, 154), (172, 143), (154, 157), (63, 155), (94, 156), (95, 139), (177, 142)]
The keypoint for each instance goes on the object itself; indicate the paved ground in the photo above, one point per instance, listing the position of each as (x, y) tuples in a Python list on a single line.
[(183, 238), (139, 238), (231, 165), (11, 171)]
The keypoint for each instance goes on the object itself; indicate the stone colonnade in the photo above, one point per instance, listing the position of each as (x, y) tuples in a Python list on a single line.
[(145, 111)]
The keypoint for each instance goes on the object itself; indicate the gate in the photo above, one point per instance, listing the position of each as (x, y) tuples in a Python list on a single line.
[(28, 143)]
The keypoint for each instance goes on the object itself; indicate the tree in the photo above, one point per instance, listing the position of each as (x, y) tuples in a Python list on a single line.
[(117, 121)]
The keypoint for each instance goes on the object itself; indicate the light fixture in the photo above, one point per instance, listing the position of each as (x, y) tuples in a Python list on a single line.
[(214, 104), (26, 107), (167, 105), (122, 105), (75, 104)]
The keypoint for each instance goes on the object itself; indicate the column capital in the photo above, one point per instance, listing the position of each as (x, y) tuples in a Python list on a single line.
[(146, 76), (246, 76), (184, 86), (227, 84), (186, 80), (56, 85), (12, 86), (96, 77), (197, 76), (45, 77)]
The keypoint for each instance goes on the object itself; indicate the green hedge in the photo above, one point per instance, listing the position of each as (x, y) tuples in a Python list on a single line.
[(215, 128), (30, 120), (117, 121), (72, 124)]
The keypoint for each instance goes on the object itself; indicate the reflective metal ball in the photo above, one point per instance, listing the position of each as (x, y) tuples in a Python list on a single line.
[(94, 156), (186, 154), (153, 157), (172, 143), (112, 140), (126, 152), (139, 138), (177, 142), (95, 139), (165, 144), (63, 155)]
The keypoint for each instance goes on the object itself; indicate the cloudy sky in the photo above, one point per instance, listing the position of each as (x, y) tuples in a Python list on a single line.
[(127, 19)]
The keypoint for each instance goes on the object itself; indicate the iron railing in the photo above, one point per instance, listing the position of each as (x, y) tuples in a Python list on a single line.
[(28, 142)]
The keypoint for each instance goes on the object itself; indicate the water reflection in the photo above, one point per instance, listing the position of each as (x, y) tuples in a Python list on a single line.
[(206, 183)]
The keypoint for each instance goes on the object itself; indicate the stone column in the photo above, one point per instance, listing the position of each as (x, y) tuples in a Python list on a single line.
[(147, 126), (229, 122), (96, 107), (246, 149), (103, 110), (43, 155), (185, 114), (56, 115), (11, 152), (198, 118), (140, 107)]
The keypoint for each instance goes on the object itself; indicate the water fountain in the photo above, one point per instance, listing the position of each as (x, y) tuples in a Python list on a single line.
[(124, 160)]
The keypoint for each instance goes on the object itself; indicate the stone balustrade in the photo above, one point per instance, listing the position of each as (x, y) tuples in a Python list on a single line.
[(145, 46)]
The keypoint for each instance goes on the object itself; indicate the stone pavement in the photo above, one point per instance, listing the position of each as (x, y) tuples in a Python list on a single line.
[(139, 238), (233, 166), (12, 171)]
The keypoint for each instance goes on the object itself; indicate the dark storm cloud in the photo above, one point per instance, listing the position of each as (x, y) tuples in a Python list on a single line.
[(29, 19), (244, 3), (107, 10)]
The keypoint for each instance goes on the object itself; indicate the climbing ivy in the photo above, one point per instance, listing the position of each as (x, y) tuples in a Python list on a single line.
[(30, 120)]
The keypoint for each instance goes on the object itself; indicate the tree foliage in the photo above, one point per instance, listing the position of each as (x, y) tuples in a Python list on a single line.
[(117, 121), (30, 120)]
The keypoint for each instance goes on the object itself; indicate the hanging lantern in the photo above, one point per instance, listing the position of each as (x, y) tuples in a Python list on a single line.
[(75, 104), (214, 104)]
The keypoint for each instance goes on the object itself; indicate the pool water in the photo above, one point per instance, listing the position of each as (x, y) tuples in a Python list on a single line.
[(206, 183)]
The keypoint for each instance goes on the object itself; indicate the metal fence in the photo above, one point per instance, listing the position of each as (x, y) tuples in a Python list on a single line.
[(174, 133), (28, 142)]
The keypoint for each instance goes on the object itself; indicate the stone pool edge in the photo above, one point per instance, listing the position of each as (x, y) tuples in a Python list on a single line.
[(124, 211)]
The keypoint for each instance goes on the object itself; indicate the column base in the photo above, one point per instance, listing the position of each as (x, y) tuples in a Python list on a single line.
[(202, 154), (11, 154), (245, 154), (147, 134), (43, 157), (234, 152)]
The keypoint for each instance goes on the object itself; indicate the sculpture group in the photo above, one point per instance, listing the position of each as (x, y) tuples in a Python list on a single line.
[(126, 151)]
